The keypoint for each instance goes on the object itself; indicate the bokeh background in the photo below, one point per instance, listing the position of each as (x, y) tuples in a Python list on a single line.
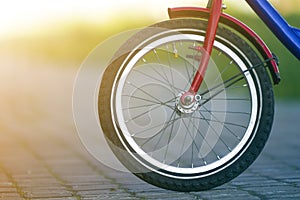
[(42, 46), (64, 32)]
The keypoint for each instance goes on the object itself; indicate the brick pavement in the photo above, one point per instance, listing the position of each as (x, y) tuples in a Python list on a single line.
[(41, 156)]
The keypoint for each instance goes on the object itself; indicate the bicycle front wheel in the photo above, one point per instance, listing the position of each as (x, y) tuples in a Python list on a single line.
[(195, 146)]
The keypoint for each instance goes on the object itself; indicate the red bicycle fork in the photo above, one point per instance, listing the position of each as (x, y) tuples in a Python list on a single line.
[(215, 13), (189, 97)]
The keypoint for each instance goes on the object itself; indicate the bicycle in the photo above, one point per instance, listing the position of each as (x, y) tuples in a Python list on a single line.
[(187, 104)]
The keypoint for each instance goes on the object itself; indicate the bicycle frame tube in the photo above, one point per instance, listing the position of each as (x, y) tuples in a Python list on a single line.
[(215, 13), (288, 35)]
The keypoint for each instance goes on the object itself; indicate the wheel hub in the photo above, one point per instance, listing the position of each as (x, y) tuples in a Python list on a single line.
[(187, 102)]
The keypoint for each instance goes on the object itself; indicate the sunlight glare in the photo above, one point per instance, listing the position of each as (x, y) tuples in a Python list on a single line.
[(19, 17)]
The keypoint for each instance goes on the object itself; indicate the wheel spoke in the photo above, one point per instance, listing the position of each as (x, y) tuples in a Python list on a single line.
[(158, 80), (187, 138), (170, 122), (221, 90)]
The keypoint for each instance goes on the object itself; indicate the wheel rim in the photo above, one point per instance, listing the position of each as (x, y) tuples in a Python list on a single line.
[(163, 138)]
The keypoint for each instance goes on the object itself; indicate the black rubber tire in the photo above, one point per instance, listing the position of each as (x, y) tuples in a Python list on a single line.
[(263, 125)]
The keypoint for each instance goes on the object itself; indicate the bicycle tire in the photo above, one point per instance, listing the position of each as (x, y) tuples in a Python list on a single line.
[(209, 177)]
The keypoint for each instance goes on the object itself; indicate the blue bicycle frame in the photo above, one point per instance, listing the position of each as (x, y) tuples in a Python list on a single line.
[(288, 35)]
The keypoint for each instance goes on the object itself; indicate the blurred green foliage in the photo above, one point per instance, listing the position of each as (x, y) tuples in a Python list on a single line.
[(73, 42), (68, 41), (289, 65)]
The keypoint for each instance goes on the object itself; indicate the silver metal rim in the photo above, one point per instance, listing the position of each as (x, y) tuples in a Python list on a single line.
[(120, 121)]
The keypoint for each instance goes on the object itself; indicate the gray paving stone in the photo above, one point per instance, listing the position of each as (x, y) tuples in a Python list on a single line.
[(226, 193), (73, 181), (57, 198), (8, 190), (104, 192), (166, 195), (89, 187), (4, 184), (46, 193), (140, 188), (10, 195), (109, 197), (51, 182), (276, 190), (41, 156), (12, 198)]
